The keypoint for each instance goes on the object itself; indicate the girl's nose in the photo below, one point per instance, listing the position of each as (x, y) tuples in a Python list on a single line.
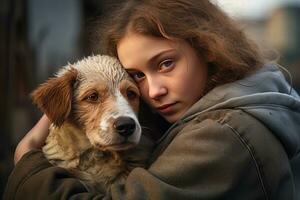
[(156, 89)]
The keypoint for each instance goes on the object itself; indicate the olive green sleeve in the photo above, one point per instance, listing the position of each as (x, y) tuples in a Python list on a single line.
[(35, 178)]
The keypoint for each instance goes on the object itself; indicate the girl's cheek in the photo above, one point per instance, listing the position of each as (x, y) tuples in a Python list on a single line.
[(143, 87)]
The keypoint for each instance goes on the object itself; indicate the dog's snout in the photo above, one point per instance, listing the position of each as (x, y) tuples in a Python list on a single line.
[(125, 126)]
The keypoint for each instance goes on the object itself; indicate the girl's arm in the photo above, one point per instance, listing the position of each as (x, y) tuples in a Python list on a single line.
[(205, 160), (34, 139)]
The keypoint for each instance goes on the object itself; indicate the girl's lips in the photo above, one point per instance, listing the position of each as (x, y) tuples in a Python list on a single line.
[(166, 108)]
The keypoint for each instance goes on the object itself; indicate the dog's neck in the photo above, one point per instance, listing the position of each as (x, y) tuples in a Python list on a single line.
[(64, 144)]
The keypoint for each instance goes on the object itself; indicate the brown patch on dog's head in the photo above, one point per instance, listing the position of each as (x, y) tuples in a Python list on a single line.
[(54, 97)]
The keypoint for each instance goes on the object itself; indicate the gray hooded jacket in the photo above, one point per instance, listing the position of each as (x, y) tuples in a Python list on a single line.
[(265, 95)]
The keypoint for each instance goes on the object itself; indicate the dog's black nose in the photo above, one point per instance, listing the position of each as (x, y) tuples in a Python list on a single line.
[(125, 126)]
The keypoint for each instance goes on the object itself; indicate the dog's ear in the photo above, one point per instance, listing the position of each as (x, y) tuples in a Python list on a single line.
[(54, 97)]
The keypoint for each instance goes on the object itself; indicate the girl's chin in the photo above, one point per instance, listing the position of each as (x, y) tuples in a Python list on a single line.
[(171, 118)]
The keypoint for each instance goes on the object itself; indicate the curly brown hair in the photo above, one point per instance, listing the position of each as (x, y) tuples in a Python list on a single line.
[(229, 54)]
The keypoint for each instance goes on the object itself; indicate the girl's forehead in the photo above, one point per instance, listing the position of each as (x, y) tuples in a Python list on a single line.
[(136, 48), (138, 40)]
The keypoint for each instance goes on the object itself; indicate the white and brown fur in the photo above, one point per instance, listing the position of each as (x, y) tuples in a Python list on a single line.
[(93, 106)]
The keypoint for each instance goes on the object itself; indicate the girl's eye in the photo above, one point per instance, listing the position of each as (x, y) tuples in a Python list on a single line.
[(138, 76), (166, 65), (93, 97)]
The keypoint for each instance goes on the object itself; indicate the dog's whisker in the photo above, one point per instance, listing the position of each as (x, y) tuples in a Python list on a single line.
[(147, 128)]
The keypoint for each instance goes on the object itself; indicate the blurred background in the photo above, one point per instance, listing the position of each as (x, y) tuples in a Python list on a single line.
[(39, 36)]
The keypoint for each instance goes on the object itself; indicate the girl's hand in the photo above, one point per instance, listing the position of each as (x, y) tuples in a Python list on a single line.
[(34, 139)]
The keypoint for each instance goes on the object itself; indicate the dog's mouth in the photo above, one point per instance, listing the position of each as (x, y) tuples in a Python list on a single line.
[(117, 147)]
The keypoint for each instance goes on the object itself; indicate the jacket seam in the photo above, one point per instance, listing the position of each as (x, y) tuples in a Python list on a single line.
[(248, 147)]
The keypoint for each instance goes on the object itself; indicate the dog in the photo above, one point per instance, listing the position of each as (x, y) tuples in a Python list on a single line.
[(95, 133)]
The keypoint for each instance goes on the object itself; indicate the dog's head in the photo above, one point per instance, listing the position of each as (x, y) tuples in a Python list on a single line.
[(97, 95)]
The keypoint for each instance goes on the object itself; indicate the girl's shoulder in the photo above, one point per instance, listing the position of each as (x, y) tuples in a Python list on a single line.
[(228, 141)]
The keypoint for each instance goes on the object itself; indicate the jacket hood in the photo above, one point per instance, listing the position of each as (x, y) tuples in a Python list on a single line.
[(267, 96)]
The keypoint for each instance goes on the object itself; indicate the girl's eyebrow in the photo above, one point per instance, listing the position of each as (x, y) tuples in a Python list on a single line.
[(131, 70), (160, 54), (153, 59)]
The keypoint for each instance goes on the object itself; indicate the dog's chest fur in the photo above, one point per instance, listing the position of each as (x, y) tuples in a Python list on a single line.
[(68, 147)]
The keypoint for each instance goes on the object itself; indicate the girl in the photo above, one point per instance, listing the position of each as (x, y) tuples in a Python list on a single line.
[(234, 119)]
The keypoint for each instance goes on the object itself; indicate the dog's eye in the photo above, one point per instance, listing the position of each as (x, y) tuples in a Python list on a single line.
[(93, 97), (131, 95)]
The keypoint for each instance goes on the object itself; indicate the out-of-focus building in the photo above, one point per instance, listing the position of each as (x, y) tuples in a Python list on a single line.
[(278, 35), (283, 33)]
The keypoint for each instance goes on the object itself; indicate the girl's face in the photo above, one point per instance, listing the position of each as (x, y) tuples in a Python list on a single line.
[(170, 75)]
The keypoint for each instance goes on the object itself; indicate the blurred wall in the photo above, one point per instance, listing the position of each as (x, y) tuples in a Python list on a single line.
[(283, 33), (278, 34)]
